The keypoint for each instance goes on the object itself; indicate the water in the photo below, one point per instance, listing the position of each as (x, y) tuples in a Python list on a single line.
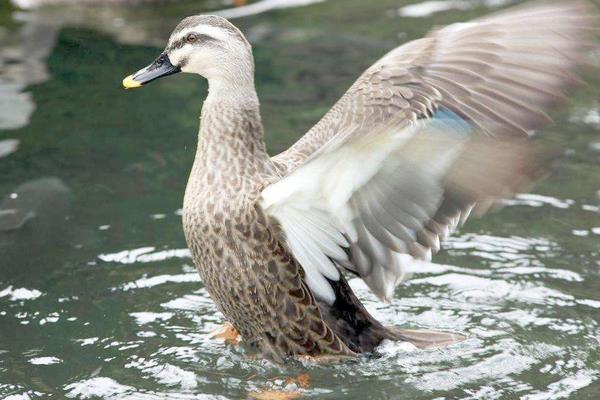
[(99, 298)]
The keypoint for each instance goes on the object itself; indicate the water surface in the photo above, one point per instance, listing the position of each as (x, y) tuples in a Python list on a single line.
[(99, 298)]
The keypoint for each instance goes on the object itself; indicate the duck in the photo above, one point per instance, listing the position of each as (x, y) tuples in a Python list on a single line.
[(435, 130)]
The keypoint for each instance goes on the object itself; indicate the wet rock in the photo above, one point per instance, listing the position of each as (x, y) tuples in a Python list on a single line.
[(33, 220)]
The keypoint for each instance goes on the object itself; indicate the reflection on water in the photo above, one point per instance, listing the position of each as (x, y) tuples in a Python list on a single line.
[(24, 52), (22, 60), (8, 146), (144, 254), (262, 6), (107, 304), (536, 200), (20, 293), (33, 228), (428, 8), (590, 116), (501, 306)]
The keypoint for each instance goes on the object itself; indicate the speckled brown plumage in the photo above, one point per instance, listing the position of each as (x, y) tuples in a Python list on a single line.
[(248, 271)]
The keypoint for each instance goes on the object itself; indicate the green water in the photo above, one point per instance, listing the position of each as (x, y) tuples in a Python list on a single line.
[(98, 295)]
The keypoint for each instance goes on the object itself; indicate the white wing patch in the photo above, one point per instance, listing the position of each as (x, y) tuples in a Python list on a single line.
[(315, 242), (378, 201), (397, 194), (321, 208), (312, 208)]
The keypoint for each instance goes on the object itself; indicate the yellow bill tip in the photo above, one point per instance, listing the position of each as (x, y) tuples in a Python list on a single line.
[(129, 83)]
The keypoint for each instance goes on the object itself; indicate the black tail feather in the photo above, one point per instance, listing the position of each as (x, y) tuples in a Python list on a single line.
[(362, 333)]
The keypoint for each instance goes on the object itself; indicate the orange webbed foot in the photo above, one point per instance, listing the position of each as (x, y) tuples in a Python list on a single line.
[(228, 333)]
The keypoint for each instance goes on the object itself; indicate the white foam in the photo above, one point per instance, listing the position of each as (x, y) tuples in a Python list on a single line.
[(45, 360), (538, 200), (20, 293), (161, 279), (98, 387), (147, 317), (144, 255), (564, 387)]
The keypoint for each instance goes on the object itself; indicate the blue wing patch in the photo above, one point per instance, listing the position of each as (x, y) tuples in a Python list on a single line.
[(448, 121)]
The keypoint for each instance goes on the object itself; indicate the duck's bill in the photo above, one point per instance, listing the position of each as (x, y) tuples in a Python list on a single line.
[(160, 67)]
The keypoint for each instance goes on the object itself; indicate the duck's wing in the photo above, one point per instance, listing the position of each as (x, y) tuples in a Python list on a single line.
[(375, 184), (501, 73), (373, 202)]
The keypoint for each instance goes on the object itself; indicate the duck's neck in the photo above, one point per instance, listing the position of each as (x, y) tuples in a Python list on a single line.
[(230, 142)]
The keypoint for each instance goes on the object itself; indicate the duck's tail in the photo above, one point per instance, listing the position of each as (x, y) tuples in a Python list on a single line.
[(362, 333), (422, 338)]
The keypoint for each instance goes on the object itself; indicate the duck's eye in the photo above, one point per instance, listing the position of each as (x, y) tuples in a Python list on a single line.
[(191, 38)]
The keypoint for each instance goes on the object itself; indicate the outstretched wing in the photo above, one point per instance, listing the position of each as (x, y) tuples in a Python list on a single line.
[(500, 73), (378, 181), (369, 203)]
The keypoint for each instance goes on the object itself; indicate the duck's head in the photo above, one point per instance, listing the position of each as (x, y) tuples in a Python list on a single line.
[(206, 45)]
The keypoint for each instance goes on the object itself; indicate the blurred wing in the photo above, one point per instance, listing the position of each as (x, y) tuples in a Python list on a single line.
[(500, 73), (373, 202)]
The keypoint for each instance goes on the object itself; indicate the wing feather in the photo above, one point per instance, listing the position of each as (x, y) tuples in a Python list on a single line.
[(373, 186), (398, 209), (502, 73)]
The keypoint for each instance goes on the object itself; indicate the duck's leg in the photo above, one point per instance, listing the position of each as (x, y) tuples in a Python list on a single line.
[(228, 333)]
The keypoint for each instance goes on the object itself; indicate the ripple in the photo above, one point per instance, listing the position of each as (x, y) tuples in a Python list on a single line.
[(588, 207), (8, 146), (563, 388), (262, 6), (588, 116), (96, 387), (108, 388), (538, 200), (87, 341), (190, 302), (428, 8), (507, 252), (166, 374), (148, 317), (24, 396), (493, 367), (144, 255), (20, 293), (45, 360), (149, 282)]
